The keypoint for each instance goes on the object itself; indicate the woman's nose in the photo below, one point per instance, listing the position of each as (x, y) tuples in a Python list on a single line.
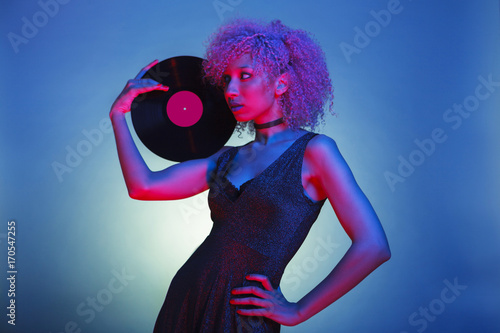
[(232, 88)]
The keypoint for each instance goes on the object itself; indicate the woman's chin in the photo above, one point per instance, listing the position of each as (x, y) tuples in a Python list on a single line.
[(241, 118)]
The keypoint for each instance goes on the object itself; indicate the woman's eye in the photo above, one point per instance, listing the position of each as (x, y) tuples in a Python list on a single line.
[(225, 80), (245, 76)]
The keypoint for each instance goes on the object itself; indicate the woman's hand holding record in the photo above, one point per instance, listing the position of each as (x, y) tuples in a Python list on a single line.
[(178, 116), (134, 88)]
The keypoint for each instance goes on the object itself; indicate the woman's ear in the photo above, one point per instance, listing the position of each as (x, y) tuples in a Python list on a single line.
[(282, 84)]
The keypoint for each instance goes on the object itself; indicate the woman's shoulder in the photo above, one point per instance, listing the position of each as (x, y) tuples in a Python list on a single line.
[(321, 149), (320, 142), (220, 152)]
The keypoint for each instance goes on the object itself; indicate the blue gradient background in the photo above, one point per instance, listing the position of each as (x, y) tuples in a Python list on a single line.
[(442, 221)]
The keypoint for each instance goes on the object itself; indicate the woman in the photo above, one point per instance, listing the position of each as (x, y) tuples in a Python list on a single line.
[(264, 196)]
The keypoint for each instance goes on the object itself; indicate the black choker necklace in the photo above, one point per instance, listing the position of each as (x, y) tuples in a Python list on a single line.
[(269, 124)]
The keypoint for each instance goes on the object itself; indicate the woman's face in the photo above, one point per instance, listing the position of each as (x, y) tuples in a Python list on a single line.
[(250, 96)]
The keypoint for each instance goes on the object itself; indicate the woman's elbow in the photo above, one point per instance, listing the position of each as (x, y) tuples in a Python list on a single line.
[(383, 252), (138, 193), (377, 252)]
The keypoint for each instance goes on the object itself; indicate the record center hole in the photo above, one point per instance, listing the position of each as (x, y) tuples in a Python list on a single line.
[(183, 101)]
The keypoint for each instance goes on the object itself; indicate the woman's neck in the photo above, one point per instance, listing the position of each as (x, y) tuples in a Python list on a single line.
[(275, 134)]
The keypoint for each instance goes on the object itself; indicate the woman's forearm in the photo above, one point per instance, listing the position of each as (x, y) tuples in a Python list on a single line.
[(135, 171), (358, 262)]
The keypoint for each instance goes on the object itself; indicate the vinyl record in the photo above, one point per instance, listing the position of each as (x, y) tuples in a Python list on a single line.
[(191, 120)]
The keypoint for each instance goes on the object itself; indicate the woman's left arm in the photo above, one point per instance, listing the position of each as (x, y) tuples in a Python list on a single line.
[(369, 249)]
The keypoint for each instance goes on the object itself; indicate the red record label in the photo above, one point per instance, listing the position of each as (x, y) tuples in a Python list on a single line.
[(184, 108), (191, 120)]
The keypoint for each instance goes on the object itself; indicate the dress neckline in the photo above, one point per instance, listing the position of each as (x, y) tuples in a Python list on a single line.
[(236, 192)]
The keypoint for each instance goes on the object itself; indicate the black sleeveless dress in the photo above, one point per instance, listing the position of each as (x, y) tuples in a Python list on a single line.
[(256, 229)]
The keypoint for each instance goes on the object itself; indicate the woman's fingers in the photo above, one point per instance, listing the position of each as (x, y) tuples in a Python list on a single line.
[(250, 301), (249, 290), (145, 69), (144, 85), (270, 302), (262, 279), (133, 89), (252, 312), (257, 291), (136, 87)]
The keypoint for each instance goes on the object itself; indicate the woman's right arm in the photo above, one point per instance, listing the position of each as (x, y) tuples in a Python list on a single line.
[(179, 181)]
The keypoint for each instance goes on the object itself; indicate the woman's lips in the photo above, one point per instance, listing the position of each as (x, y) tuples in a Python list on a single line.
[(235, 107)]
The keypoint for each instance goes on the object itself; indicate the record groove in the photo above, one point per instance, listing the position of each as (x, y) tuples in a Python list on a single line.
[(191, 120)]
